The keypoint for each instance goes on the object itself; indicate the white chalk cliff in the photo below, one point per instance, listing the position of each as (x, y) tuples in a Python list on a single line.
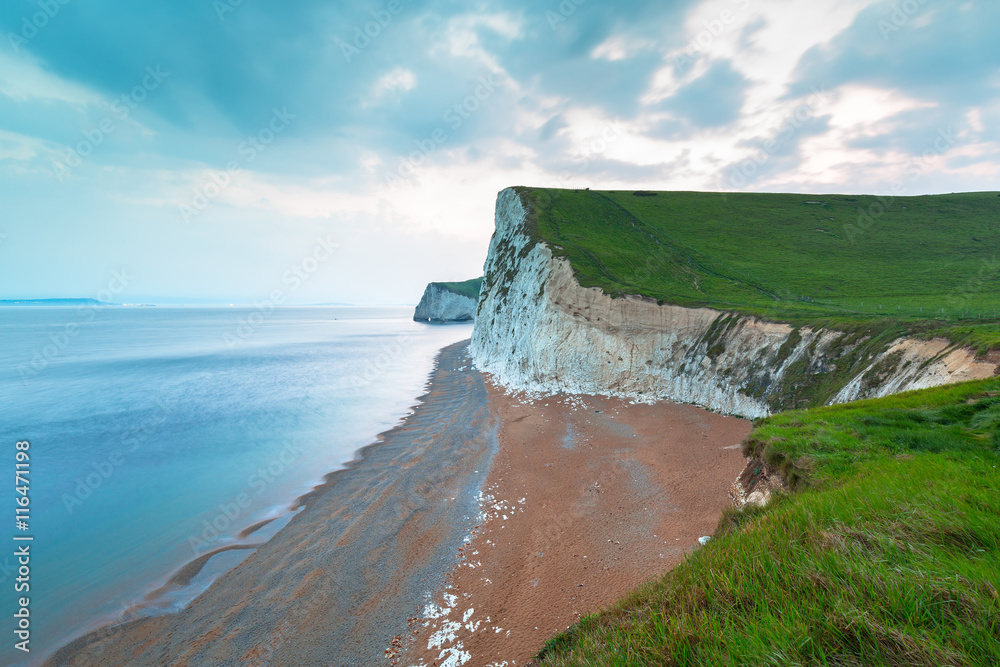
[(540, 331), (439, 304)]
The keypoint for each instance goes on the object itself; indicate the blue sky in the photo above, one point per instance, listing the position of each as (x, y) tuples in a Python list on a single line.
[(219, 150)]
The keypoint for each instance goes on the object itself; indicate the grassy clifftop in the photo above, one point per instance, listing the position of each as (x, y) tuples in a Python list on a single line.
[(888, 553), (469, 288), (928, 264)]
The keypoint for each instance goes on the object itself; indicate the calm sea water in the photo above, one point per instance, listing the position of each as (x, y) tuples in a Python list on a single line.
[(158, 434)]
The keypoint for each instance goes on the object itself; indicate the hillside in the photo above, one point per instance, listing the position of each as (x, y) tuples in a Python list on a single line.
[(888, 552), (449, 302), (925, 265), (581, 296)]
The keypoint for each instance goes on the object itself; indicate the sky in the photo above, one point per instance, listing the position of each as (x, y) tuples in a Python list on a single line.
[(219, 151)]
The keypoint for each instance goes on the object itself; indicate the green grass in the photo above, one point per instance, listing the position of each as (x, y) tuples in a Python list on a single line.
[(466, 288), (887, 552), (927, 265)]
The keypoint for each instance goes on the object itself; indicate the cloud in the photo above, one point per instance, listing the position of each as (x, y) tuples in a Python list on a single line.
[(714, 99), (552, 127), (409, 117), (943, 51), (928, 68)]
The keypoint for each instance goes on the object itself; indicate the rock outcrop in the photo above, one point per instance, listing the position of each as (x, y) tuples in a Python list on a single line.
[(540, 331), (448, 302)]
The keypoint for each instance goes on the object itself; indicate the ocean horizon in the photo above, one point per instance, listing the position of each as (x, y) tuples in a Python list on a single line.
[(159, 435)]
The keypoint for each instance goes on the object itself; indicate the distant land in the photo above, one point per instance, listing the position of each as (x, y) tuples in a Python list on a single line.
[(55, 302)]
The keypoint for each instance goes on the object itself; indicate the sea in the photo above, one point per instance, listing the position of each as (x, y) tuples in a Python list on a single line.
[(159, 434)]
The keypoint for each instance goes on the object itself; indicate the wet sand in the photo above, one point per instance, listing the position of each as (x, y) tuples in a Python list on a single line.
[(588, 497), (190, 570), (511, 518)]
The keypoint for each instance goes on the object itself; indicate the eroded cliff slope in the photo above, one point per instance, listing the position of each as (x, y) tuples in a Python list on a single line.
[(539, 330), (448, 302)]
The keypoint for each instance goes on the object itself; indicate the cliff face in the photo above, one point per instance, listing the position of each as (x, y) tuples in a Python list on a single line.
[(539, 331), (440, 304)]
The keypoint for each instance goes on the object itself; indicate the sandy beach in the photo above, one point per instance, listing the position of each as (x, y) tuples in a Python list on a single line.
[(468, 534), (587, 498)]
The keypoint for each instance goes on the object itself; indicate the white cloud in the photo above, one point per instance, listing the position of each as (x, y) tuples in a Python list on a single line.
[(460, 37), (621, 47), (862, 111), (23, 79), (394, 83), (15, 146)]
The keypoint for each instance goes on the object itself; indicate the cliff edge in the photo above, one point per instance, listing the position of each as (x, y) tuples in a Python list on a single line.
[(449, 302), (538, 330)]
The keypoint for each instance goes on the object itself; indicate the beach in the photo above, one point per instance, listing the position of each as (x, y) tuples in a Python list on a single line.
[(588, 497), (504, 516)]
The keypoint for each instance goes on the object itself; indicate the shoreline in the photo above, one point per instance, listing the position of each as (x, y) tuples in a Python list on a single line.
[(183, 576), (470, 486), (396, 507)]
